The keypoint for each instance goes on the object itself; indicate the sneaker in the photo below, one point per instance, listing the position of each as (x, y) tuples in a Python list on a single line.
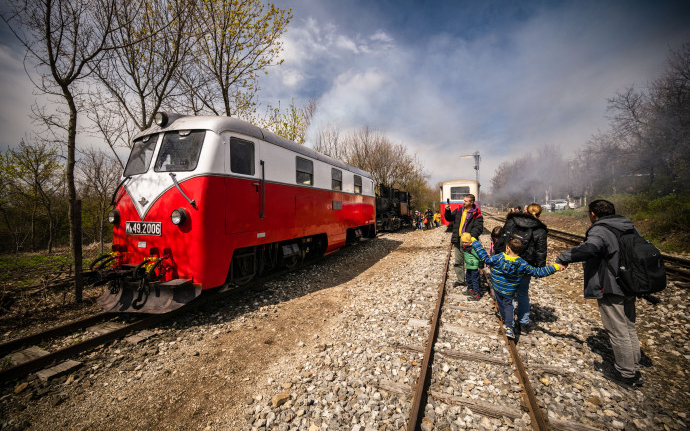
[(468, 292), (625, 382), (474, 297), (524, 328), (509, 332), (457, 284)]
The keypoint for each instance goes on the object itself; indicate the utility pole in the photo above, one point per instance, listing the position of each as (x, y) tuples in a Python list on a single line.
[(476, 158)]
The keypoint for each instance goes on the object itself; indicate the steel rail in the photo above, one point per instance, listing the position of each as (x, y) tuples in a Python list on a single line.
[(10, 346), (421, 395), (43, 361), (535, 413), (221, 293)]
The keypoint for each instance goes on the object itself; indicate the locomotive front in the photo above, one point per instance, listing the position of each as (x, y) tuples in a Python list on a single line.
[(163, 223)]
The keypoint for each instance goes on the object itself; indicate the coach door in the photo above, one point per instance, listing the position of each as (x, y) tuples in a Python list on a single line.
[(243, 188)]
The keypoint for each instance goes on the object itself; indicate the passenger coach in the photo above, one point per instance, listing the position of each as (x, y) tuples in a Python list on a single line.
[(455, 191), (209, 201)]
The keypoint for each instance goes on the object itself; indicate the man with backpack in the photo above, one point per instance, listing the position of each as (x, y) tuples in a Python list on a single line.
[(604, 264)]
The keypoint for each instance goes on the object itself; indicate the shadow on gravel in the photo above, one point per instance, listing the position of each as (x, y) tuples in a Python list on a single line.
[(539, 314), (600, 344), (332, 270)]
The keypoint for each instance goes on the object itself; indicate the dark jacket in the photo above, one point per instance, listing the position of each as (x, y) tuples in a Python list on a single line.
[(474, 223), (599, 242), (535, 252)]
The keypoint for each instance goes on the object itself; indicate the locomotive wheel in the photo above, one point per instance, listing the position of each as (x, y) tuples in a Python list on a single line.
[(291, 262), (244, 266)]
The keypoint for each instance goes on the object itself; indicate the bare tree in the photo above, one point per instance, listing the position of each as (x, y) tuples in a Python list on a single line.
[(8, 202), (100, 175), (139, 76), (388, 163), (236, 40), (36, 169), (62, 38), (631, 124), (328, 141)]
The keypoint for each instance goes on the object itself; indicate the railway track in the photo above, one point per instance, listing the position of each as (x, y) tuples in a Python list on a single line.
[(498, 364), (676, 267), (111, 327)]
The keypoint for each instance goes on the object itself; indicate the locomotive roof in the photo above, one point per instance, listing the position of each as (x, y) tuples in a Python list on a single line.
[(456, 182), (219, 124)]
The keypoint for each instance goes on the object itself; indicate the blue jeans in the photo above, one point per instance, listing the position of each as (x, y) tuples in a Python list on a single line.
[(505, 308), (522, 298), (472, 278)]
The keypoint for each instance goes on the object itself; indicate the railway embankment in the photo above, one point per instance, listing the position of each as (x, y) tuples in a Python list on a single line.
[(327, 347)]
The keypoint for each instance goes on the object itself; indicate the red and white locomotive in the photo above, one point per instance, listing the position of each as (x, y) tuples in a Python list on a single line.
[(209, 201)]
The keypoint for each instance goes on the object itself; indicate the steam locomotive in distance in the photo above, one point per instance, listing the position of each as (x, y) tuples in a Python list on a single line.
[(392, 209), (212, 201)]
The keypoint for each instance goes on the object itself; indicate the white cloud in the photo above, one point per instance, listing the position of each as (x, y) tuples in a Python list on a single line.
[(17, 97), (381, 36), (291, 77), (346, 44)]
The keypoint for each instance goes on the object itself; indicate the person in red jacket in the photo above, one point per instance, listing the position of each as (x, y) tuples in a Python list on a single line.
[(466, 219)]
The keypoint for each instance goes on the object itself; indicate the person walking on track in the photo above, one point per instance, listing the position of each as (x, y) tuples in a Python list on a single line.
[(616, 308), (526, 226), (467, 218)]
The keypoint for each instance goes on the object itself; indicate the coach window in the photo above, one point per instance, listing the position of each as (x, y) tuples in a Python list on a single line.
[(140, 157), (241, 156), (336, 179), (458, 193), (305, 171), (358, 184), (180, 150)]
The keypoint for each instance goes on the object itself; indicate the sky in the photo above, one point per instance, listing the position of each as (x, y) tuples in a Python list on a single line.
[(447, 78)]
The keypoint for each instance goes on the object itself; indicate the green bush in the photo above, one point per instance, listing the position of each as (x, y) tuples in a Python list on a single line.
[(664, 220)]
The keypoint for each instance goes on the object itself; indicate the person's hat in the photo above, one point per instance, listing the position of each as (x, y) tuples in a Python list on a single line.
[(466, 237)]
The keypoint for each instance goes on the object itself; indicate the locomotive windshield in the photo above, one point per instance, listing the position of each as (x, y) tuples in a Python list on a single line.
[(180, 150), (140, 157)]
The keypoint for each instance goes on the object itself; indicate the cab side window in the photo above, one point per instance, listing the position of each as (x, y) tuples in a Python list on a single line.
[(305, 171), (358, 184), (241, 156), (336, 179)]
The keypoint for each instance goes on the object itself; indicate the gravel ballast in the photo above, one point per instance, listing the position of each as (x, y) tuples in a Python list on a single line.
[(331, 346)]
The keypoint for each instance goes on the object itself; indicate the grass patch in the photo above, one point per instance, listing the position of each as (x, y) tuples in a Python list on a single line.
[(663, 220), (13, 266)]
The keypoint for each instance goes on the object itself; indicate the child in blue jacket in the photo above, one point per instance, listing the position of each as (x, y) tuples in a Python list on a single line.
[(506, 270)]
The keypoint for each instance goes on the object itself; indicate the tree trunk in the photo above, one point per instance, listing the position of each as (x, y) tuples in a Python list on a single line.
[(50, 229), (74, 204), (100, 223), (9, 228), (33, 228)]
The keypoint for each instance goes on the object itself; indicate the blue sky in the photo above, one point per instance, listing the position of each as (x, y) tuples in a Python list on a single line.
[(447, 78)]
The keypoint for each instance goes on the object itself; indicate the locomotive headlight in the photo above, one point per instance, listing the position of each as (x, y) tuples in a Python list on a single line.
[(179, 216), (161, 119), (114, 216)]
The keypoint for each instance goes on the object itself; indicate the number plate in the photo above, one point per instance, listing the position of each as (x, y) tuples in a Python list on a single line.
[(143, 228)]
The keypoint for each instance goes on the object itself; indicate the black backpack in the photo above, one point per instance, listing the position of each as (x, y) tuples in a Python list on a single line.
[(524, 234), (641, 269)]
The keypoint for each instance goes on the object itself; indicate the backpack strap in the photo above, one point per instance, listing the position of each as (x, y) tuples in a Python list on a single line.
[(618, 234)]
